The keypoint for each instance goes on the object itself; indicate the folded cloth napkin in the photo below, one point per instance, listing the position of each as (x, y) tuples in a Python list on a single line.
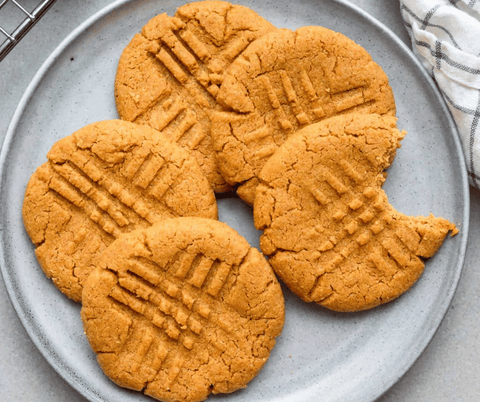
[(446, 38)]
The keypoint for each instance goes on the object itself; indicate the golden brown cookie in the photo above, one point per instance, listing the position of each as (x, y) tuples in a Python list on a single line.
[(282, 82), (182, 309), (329, 230), (106, 179), (168, 76)]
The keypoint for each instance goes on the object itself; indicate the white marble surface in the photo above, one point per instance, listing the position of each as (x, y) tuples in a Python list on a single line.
[(447, 371)]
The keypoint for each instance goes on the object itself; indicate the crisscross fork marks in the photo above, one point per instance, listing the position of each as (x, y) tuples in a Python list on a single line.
[(103, 198), (214, 62), (297, 88), (181, 310), (91, 166), (180, 325), (362, 228), (364, 218)]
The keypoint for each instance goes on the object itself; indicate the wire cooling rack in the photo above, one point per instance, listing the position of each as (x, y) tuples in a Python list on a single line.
[(20, 21)]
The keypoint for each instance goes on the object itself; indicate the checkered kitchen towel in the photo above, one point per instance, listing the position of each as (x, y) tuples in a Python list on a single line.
[(446, 38)]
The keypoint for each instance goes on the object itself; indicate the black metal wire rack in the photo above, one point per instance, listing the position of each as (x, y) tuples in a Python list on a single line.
[(14, 30)]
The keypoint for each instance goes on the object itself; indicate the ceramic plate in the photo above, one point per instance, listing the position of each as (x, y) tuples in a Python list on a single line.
[(321, 355)]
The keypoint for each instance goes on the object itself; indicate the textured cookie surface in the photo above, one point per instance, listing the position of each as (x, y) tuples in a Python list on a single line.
[(329, 230), (182, 309), (168, 76), (105, 179), (284, 81)]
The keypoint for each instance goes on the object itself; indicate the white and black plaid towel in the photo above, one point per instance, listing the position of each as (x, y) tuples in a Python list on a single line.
[(446, 38)]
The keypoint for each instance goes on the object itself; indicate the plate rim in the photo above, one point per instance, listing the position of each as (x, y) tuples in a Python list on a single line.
[(441, 310)]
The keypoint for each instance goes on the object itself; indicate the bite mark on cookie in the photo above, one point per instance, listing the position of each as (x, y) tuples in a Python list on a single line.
[(329, 230)]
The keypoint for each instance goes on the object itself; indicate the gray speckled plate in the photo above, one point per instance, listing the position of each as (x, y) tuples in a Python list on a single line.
[(321, 355)]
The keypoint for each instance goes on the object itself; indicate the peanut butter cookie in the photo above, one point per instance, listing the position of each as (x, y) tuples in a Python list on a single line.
[(106, 179), (182, 309), (282, 82), (169, 74), (329, 230)]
